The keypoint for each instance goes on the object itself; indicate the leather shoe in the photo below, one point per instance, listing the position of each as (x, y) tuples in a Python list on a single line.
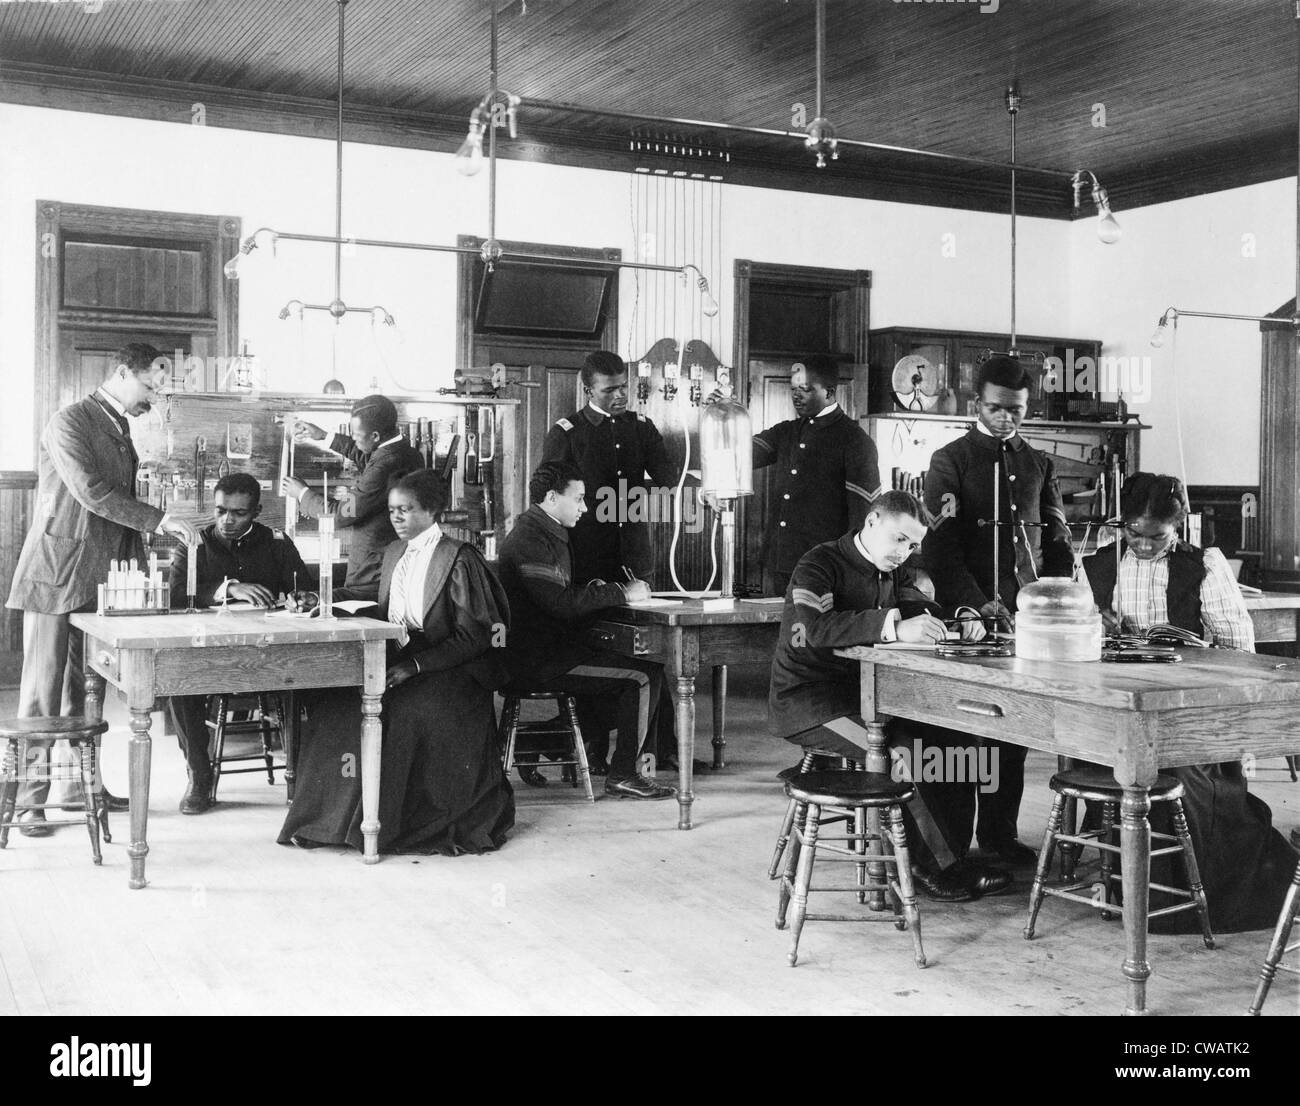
[(31, 823), (981, 878), (637, 787), (531, 776), (197, 798), (1010, 852), (945, 886), (116, 804)]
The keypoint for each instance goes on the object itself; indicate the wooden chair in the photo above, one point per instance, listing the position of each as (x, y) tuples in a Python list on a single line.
[(82, 735), (855, 792), (564, 735), (1100, 787), (266, 719), (1278, 947)]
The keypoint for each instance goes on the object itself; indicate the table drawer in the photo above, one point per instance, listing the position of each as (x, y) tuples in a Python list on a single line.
[(622, 637), (973, 708)]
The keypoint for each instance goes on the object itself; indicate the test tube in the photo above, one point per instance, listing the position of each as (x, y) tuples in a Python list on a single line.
[(326, 566), (192, 575)]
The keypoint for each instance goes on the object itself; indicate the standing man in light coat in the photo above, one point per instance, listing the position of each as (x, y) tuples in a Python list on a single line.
[(86, 515)]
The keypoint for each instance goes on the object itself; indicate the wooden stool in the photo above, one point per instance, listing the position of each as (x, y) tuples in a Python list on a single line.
[(1278, 947), (1100, 787), (856, 792), (81, 734), (574, 752), (220, 724), (793, 806)]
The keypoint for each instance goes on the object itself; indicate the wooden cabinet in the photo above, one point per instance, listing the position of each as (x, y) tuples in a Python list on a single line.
[(955, 356), (1279, 455), (1083, 453)]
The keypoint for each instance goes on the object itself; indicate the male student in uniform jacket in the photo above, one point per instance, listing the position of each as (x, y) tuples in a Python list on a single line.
[(621, 456), (381, 454), (825, 472), (86, 515), (1033, 540), (550, 608), (239, 560), (860, 590)]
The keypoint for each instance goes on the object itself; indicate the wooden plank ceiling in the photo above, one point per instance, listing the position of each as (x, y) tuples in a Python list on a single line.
[(1199, 95)]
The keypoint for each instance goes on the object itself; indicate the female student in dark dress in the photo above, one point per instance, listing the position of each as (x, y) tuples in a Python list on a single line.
[(442, 789), (1245, 864)]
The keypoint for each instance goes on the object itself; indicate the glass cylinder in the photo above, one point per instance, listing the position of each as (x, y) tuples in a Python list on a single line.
[(726, 450), (326, 567)]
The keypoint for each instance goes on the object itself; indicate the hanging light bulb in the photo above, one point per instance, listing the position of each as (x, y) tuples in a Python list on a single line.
[(708, 305), (469, 158), (1162, 328), (231, 268), (1108, 229)]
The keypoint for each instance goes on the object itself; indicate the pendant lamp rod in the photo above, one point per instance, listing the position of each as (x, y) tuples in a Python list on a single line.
[(338, 170), (492, 137), (821, 50), (1013, 108)]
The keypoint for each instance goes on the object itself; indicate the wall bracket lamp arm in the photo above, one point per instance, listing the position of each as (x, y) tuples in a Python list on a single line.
[(1169, 321)]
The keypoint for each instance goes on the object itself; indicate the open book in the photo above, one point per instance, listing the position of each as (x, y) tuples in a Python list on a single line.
[(1162, 633)]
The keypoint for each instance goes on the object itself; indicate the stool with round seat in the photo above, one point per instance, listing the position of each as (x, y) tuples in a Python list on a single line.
[(810, 758), (856, 793), (564, 735), (1278, 947), (83, 735), (1099, 786)]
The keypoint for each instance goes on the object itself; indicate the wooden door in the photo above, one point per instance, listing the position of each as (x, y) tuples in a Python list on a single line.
[(86, 357)]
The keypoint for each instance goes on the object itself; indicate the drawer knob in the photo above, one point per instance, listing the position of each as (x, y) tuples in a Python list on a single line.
[(105, 659), (972, 706)]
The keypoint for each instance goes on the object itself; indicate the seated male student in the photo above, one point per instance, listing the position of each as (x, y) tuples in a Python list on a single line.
[(861, 590), (548, 614), (239, 559)]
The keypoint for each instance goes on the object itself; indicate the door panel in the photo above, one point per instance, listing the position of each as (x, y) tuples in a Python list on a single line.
[(86, 357)]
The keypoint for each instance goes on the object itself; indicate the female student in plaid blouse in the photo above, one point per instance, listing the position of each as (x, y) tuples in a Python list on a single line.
[(1245, 864)]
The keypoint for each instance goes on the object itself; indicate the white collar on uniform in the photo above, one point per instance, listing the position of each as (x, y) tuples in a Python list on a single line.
[(857, 541), (394, 438), (106, 398), (829, 409)]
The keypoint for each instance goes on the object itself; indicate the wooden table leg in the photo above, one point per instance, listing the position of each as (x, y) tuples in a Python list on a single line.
[(1135, 862), (289, 739), (372, 692), (877, 761), (140, 753), (685, 748), (719, 716)]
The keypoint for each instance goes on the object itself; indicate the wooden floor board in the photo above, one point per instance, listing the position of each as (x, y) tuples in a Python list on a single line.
[(600, 908)]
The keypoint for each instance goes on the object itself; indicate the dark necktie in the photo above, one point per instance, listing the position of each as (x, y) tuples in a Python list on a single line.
[(122, 424)]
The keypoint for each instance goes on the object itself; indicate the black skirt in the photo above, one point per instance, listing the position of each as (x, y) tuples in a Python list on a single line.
[(442, 788)]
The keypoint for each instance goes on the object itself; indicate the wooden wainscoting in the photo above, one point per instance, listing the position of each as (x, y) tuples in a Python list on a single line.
[(17, 491)]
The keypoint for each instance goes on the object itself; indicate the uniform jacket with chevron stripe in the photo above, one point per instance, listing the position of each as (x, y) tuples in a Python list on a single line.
[(836, 598)]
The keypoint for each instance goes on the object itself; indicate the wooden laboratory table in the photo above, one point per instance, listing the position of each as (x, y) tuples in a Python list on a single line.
[(1217, 705), (147, 657), (682, 634)]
